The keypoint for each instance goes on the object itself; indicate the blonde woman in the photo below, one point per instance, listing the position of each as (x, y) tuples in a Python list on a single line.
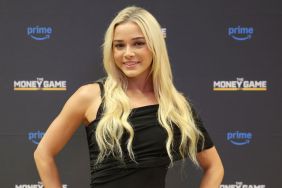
[(138, 124)]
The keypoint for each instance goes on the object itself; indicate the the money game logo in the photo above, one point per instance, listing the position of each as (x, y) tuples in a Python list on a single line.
[(40, 84), (239, 184), (164, 31), (35, 185), (240, 85)]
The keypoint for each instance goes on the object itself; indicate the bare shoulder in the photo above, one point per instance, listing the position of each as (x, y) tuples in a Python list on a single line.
[(84, 98), (88, 92), (89, 96)]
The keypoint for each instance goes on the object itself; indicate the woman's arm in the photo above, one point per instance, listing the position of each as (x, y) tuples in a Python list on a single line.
[(212, 166), (60, 131)]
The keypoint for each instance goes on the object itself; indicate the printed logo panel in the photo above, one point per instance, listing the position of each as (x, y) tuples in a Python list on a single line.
[(241, 33), (35, 136), (239, 138), (39, 33), (164, 32), (40, 84), (36, 185), (240, 184), (240, 85)]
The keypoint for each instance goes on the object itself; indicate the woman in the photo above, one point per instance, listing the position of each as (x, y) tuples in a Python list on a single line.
[(137, 122)]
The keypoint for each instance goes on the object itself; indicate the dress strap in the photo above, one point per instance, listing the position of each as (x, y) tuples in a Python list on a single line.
[(102, 92), (101, 83)]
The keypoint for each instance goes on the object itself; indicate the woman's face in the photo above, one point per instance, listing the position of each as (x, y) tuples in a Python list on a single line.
[(131, 53)]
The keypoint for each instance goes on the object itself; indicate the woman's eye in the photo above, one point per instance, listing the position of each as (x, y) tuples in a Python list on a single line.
[(119, 45), (139, 43)]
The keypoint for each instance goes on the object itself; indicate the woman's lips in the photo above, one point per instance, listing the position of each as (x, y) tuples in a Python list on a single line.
[(131, 63)]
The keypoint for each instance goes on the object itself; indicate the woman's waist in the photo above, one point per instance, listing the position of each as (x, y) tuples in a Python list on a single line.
[(145, 161), (155, 170)]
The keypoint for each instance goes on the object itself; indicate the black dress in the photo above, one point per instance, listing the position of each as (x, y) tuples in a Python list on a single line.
[(148, 147)]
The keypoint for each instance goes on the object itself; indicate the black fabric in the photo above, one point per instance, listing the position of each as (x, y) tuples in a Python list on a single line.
[(148, 146)]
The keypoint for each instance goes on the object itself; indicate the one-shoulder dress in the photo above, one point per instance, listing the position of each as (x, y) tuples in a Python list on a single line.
[(149, 147)]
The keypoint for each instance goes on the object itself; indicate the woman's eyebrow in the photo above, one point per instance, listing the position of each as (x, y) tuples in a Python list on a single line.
[(135, 38), (117, 40)]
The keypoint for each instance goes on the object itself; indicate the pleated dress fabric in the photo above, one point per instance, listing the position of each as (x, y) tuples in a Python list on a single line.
[(149, 151)]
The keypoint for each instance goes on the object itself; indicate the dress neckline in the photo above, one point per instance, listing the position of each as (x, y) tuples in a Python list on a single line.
[(146, 106), (132, 110)]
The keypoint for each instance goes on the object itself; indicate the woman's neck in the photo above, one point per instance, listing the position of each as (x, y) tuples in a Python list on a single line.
[(140, 85)]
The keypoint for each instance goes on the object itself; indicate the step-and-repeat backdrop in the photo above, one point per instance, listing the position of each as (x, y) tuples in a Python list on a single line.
[(225, 55)]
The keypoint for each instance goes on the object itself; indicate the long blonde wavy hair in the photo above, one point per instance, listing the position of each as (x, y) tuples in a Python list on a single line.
[(173, 106)]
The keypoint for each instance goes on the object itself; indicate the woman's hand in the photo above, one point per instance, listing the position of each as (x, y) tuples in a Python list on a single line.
[(212, 166)]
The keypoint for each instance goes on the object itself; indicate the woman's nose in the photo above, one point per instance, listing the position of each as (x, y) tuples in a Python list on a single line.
[(129, 52)]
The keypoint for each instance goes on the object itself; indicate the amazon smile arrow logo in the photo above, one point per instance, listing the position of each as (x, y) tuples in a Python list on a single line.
[(239, 138), (39, 33), (241, 33)]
